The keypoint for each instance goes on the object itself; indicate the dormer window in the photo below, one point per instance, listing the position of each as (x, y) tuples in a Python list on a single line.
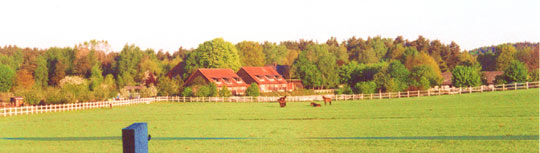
[(227, 80), (278, 77), (269, 77), (259, 77), (238, 80), (216, 80)]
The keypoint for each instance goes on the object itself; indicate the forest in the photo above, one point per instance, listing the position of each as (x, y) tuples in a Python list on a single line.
[(92, 71)]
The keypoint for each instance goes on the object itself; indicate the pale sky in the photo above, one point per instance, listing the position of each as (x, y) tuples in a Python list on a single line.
[(168, 25)]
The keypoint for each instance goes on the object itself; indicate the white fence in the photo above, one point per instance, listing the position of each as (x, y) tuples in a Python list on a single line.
[(12, 111)]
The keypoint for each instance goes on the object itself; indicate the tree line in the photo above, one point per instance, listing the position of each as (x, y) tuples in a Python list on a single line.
[(92, 71)]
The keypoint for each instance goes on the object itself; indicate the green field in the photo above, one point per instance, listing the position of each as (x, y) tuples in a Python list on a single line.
[(275, 129)]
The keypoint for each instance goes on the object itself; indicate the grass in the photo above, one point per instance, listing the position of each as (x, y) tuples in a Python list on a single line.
[(509, 113)]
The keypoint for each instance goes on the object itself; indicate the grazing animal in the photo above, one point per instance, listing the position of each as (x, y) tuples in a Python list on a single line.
[(315, 104), (326, 99), (282, 102)]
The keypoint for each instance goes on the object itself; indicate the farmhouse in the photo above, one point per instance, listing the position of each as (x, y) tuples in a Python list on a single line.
[(285, 71), (221, 77), (268, 79)]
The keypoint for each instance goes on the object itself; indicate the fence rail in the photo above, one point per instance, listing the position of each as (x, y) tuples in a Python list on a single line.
[(38, 109), (12, 111)]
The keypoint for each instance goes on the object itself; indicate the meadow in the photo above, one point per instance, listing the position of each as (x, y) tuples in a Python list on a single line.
[(479, 122)]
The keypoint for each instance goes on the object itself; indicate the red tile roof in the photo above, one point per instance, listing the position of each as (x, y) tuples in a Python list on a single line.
[(220, 77), (264, 75)]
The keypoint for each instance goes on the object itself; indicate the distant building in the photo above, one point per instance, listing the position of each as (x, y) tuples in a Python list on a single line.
[(487, 76), (268, 79), (285, 71), (221, 77)]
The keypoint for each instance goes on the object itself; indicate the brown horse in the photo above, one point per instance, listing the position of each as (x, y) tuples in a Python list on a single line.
[(326, 99), (282, 102), (315, 104)]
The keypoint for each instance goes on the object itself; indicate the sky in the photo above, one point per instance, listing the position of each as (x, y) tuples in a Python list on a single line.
[(167, 25)]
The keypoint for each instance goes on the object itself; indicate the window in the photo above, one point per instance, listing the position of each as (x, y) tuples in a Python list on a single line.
[(238, 80), (269, 77), (259, 77), (216, 80), (278, 77), (227, 80)]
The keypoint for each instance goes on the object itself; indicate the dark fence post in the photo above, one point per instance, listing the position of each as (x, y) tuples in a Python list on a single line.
[(135, 138)]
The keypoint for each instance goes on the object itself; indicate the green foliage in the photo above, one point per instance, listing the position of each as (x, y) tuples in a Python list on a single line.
[(505, 55), (149, 91), (466, 76), (251, 53), (253, 90), (224, 92), (7, 76), (167, 86), (128, 64), (31, 96), (533, 75), (275, 54), (41, 73), (346, 89), (346, 71), (212, 90), (515, 72), (423, 77), (203, 91), (307, 72), (187, 92), (487, 60), (216, 53), (96, 77), (365, 87)]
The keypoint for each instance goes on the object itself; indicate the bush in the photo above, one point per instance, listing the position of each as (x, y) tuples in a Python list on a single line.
[(187, 92), (515, 72), (253, 90), (31, 97), (212, 90), (466, 76), (149, 91), (533, 75), (344, 90), (224, 92), (203, 91), (366, 87)]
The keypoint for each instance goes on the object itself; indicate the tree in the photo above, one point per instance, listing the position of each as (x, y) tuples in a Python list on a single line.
[(41, 74), (423, 77), (96, 77), (529, 56), (466, 76), (275, 54), (515, 72), (128, 62), (253, 90), (216, 53), (505, 55), (167, 86), (24, 79), (307, 72), (6, 78), (224, 92), (58, 72), (251, 53)]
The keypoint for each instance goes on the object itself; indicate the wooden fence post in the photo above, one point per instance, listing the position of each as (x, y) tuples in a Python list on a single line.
[(503, 87), (482, 88), (470, 89), (515, 86), (408, 95), (527, 85), (418, 91)]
